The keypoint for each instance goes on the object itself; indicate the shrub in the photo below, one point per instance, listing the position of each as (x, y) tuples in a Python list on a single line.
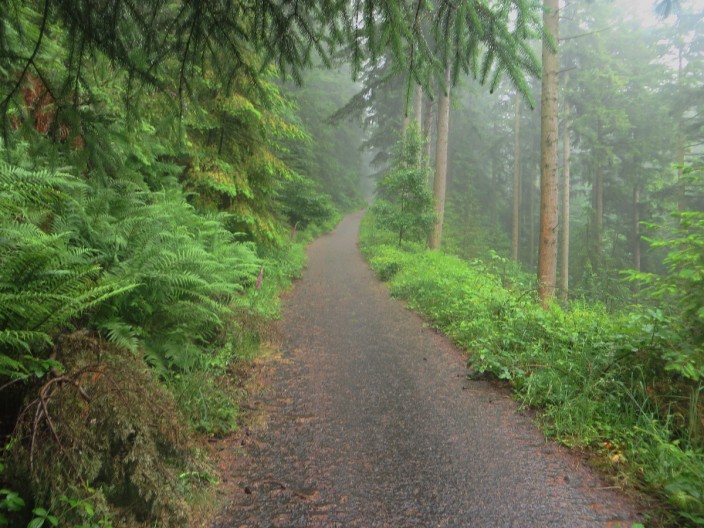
[(404, 204)]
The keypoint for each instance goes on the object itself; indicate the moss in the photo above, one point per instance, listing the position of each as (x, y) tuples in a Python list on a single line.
[(109, 434)]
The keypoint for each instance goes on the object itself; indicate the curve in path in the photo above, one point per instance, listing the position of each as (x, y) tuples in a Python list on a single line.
[(372, 423)]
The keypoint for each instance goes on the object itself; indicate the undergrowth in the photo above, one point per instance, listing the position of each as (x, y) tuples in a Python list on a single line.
[(144, 240), (126, 320), (604, 381)]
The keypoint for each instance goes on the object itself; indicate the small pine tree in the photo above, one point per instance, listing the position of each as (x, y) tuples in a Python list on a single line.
[(404, 203)]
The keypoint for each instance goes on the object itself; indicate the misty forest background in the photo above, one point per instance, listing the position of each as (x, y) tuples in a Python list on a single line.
[(164, 163)]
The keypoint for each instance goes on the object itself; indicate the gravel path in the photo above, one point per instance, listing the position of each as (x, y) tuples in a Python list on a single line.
[(372, 423)]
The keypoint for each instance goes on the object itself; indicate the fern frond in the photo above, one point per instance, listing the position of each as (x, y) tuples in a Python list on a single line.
[(24, 340), (121, 333)]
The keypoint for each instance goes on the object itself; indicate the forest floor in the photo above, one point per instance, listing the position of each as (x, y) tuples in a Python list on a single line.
[(365, 417)]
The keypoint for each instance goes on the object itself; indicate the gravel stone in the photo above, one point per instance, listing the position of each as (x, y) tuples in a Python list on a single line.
[(372, 422)]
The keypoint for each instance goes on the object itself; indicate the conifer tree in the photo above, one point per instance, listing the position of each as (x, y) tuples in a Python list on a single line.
[(516, 189), (440, 179), (547, 254), (404, 203)]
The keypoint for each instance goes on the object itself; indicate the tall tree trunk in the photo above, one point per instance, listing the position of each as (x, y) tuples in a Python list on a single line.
[(405, 116), (516, 224), (547, 256), (565, 242), (441, 162), (405, 121), (418, 106), (427, 127), (531, 212), (681, 192), (418, 117), (636, 228), (492, 206), (598, 205)]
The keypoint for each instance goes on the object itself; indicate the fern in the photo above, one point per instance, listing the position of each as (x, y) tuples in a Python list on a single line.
[(187, 269), (45, 281), (121, 334)]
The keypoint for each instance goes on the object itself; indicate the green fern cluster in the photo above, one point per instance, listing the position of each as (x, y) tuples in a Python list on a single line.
[(157, 275), (128, 279), (112, 260), (188, 270), (46, 282)]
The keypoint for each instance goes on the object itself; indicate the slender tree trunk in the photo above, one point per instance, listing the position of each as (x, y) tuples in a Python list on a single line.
[(405, 116), (418, 117), (636, 228), (547, 256), (405, 121), (565, 242), (515, 228), (441, 162), (681, 191), (531, 197), (492, 206), (418, 106), (598, 204), (427, 127)]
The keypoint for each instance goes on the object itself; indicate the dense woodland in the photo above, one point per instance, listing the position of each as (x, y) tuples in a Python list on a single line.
[(538, 194)]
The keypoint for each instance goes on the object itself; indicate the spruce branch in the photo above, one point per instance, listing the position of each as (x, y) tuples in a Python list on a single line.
[(30, 62)]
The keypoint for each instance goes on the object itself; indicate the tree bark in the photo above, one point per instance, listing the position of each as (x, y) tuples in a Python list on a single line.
[(531, 212), (418, 117), (427, 127), (405, 116), (418, 106), (492, 205), (636, 228), (565, 242), (598, 205), (441, 162), (405, 121), (547, 256), (515, 228), (681, 191)]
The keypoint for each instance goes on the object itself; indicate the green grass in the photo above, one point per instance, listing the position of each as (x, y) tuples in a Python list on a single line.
[(599, 378)]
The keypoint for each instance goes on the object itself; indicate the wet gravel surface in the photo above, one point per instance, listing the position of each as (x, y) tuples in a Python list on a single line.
[(371, 422)]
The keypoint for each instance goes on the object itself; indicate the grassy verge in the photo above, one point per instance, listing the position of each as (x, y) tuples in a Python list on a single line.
[(598, 378)]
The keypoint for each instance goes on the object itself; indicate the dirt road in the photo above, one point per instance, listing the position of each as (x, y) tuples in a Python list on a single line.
[(372, 423)]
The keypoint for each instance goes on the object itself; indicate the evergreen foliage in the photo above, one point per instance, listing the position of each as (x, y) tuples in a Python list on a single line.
[(331, 156), (193, 37), (404, 203), (237, 161), (153, 166), (678, 295), (303, 204), (132, 232), (380, 108)]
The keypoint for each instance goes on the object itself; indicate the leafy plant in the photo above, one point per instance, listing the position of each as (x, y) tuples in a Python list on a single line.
[(404, 203), (601, 379), (45, 281), (42, 518), (10, 502), (303, 203)]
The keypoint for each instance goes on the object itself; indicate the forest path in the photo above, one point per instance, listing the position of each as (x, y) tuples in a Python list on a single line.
[(372, 423)]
